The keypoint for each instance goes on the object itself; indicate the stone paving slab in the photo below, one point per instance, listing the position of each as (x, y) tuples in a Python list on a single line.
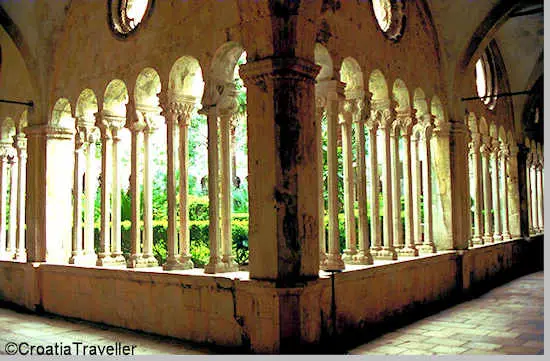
[(508, 320)]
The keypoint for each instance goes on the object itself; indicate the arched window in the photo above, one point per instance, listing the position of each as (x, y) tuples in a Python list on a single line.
[(126, 15), (486, 80), (382, 11)]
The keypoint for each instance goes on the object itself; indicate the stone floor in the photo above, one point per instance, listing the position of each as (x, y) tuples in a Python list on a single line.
[(507, 320)]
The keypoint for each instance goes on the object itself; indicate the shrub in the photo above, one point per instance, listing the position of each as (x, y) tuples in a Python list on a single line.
[(198, 208)]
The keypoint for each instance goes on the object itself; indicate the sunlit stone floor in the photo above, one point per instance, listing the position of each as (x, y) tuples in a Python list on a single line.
[(507, 320)]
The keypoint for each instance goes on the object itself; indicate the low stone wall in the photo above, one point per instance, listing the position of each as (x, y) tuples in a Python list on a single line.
[(256, 315)]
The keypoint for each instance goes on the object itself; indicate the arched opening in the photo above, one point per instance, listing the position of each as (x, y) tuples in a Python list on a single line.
[(62, 115)]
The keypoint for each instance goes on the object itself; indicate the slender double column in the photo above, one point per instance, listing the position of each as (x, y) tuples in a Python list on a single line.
[(477, 181), (20, 143), (504, 158), (320, 103), (110, 253), (3, 199), (397, 231), (225, 192), (409, 248), (12, 231), (388, 251), (90, 189), (346, 119), (534, 194), (540, 194), (428, 245), (529, 193), (416, 183), (375, 230), (79, 141), (497, 236), (485, 157), (363, 256)]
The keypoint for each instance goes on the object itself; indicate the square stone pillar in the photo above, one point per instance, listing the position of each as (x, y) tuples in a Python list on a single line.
[(49, 193), (282, 161)]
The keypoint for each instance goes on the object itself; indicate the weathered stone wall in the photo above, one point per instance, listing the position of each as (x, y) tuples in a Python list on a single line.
[(247, 314)]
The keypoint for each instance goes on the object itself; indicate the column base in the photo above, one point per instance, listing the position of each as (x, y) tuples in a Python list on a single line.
[(215, 265), (488, 239), (90, 258), (322, 258), (21, 255), (77, 258), (108, 261), (363, 258), (497, 237), (349, 255), (387, 254), (334, 262), (185, 260), (137, 261), (5, 256), (407, 252), (173, 264), (506, 236), (477, 241), (230, 264), (426, 249)]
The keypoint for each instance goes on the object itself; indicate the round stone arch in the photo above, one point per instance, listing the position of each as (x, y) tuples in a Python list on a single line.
[(419, 103), (437, 111), (185, 79), (115, 98), (86, 106), (473, 123), (352, 76), (324, 60), (7, 130), (483, 127), (401, 96), (148, 86), (62, 114)]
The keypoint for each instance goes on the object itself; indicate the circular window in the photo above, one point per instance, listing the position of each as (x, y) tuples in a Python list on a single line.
[(390, 17), (126, 15), (486, 84)]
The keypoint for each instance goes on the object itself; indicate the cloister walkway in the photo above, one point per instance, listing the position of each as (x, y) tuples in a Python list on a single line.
[(506, 320)]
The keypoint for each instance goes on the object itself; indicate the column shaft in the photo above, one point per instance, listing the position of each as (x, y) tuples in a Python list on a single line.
[(416, 191), (226, 209), (3, 206), (76, 255), (89, 209), (321, 199), (364, 256), (504, 186), (214, 264), (410, 247), (184, 242), (376, 244), (478, 230), (497, 236), (428, 245), (488, 227), (21, 145), (397, 231), (136, 259), (534, 199), (104, 256), (148, 256), (334, 258), (12, 232), (349, 188), (540, 196), (116, 201)]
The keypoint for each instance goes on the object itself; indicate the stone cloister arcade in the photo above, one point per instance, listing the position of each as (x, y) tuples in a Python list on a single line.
[(373, 193)]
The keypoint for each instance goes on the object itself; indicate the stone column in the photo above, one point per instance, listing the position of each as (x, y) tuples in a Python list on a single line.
[(397, 232), (497, 236), (90, 188), (534, 195), (488, 226), (504, 157), (116, 125), (477, 174), (12, 232), (428, 244), (282, 165), (409, 249), (529, 192), (346, 119), (77, 252), (540, 195), (152, 119), (333, 91), (21, 148), (215, 264), (104, 255), (320, 103), (375, 231), (185, 110), (387, 252), (513, 189), (363, 256), (49, 190), (226, 204), (416, 186), (136, 127), (3, 199)]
